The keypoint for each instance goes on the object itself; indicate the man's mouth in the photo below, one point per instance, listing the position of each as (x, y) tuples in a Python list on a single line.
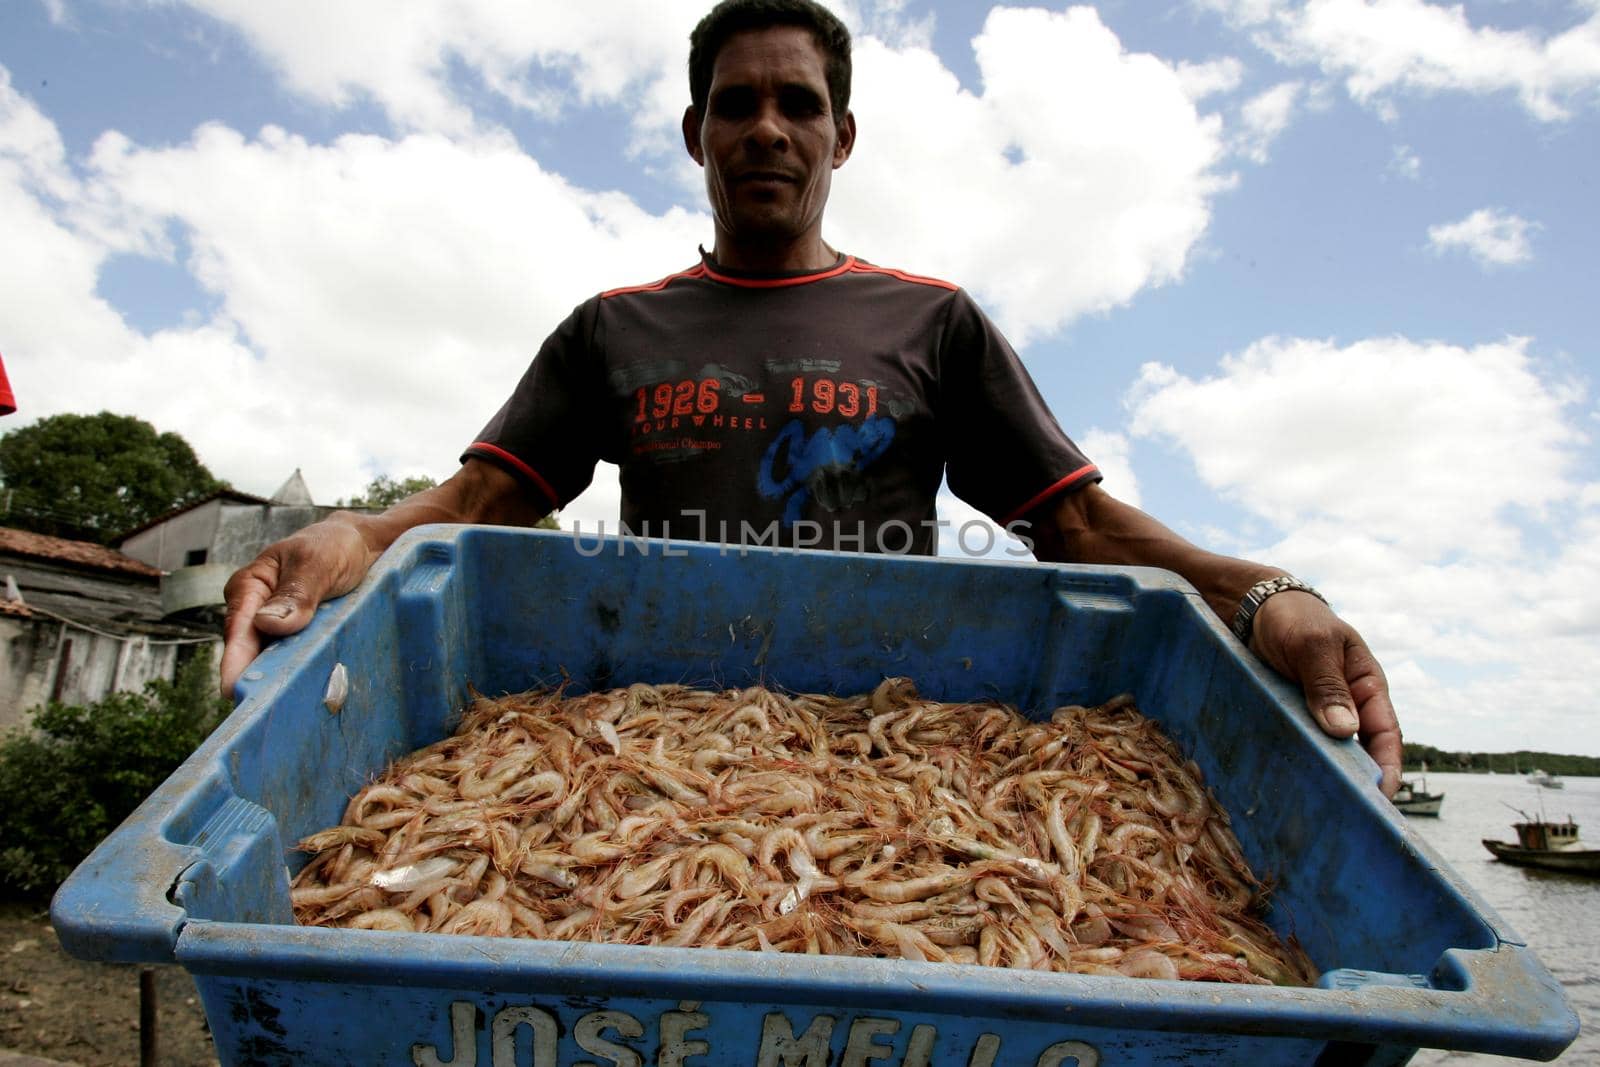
[(767, 177)]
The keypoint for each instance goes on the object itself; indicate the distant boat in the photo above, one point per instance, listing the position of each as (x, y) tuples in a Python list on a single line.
[(1551, 846), (1413, 798), (1546, 779)]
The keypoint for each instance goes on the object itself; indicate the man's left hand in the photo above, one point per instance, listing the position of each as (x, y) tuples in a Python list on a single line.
[(1300, 637)]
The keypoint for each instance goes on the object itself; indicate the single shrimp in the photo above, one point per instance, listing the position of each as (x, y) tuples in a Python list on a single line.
[(678, 898), (486, 918), (341, 837), (1147, 964), (728, 864), (690, 931), (537, 791), (894, 913), (908, 942), (991, 946), (550, 867), (635, 881), (916, 888), (793, 846), (384, 919), (574, 921)]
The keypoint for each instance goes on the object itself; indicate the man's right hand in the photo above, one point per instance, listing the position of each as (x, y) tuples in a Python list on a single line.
[(278, 592)]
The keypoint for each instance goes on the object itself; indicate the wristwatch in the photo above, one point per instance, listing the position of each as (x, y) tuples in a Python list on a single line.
[(1244, 619)]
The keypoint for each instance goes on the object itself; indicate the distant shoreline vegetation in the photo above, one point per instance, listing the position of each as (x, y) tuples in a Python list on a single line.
[(1522, 762)]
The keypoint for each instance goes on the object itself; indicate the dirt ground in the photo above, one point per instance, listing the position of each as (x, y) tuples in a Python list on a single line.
[(60, 1008)]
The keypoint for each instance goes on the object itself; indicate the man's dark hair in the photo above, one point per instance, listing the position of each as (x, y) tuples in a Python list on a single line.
[(739, 16)]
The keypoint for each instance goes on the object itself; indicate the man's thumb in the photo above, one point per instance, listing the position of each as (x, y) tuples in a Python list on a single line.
[(286, 612), (1336, 718)]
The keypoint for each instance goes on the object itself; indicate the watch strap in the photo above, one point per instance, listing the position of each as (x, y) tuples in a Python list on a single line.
[(1244, 619)]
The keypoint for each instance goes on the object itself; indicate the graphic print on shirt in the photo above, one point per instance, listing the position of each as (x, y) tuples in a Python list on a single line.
[(828, 466), (823, 430)]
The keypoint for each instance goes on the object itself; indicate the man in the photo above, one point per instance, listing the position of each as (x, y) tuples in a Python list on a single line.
[(779, 385)]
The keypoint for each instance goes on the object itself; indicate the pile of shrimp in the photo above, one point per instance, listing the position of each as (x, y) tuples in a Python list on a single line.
[(880, 825)]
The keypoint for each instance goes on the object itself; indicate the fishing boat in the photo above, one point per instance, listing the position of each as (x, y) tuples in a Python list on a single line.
[(1552, 846), (1546, 779), (1413, 798)]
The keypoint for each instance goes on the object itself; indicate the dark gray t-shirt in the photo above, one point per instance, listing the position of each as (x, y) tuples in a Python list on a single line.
[(815, 409)]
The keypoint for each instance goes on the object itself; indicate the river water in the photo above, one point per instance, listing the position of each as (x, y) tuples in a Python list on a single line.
[(1558, 914)]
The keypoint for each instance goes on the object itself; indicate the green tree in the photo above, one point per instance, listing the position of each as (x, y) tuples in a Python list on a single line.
[(383, 491), (96, 476), (83, 769)]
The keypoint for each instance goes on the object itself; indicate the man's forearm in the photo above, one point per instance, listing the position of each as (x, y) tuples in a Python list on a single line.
[(1092, 526), (478, 493)]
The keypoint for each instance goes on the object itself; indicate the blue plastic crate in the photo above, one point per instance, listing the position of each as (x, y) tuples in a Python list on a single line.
[(1410, 956)]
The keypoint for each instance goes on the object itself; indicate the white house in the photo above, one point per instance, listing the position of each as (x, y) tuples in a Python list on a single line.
[(80, 620)]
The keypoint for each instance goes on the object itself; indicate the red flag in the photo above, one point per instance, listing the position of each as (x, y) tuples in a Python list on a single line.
[(8, 403)]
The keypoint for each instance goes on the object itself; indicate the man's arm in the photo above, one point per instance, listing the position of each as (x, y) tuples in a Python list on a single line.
[(1294, 632), (278, 592)]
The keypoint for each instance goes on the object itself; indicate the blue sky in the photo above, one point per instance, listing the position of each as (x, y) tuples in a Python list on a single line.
[(1311, 279)]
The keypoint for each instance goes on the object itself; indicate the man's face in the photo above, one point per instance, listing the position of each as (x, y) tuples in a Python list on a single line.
[(768, 139)]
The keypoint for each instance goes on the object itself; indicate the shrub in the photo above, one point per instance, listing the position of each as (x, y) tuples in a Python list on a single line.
[(67, 785)]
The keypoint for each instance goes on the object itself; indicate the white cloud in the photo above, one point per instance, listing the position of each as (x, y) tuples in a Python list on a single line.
[(1264, 117), (967, 533), (1246, 11), (536, 55), (1201, 80), (1384, 46), (32, 155), (1125, 184), (372, 283), (1492, 237), (1110, 452), (539, 56), (378, 299), (1397, 438), (1061, 209), (1400, 477), (598, 508), (886, 20), (1405, 163)]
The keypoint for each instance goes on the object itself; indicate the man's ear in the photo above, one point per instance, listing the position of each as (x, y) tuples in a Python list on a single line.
[(847, 140), (691, 134)]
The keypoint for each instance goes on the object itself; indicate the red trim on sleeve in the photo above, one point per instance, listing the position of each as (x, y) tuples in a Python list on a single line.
[(1066, 483), (780, 283), (655, 287), (531, 474), (867, 268)]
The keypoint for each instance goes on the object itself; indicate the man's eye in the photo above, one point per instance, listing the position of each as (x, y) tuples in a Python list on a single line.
[(802, 102), (732, 104)]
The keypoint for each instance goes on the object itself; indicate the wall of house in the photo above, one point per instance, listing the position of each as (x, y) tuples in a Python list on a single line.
[(231, 533), (97, 664), (28, 649), (245, 529), (42, 659), (188, 588), (167, 545)]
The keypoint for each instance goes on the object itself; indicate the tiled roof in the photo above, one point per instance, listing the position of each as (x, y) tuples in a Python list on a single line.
[(74, 553)]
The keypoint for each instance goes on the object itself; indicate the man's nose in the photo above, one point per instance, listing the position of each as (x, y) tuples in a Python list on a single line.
[(768, 129)]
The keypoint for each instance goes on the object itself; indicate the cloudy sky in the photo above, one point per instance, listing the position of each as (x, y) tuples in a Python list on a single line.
[(1312, 280)]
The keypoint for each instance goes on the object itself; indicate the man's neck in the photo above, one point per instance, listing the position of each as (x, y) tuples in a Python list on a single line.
[(810, 253)]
